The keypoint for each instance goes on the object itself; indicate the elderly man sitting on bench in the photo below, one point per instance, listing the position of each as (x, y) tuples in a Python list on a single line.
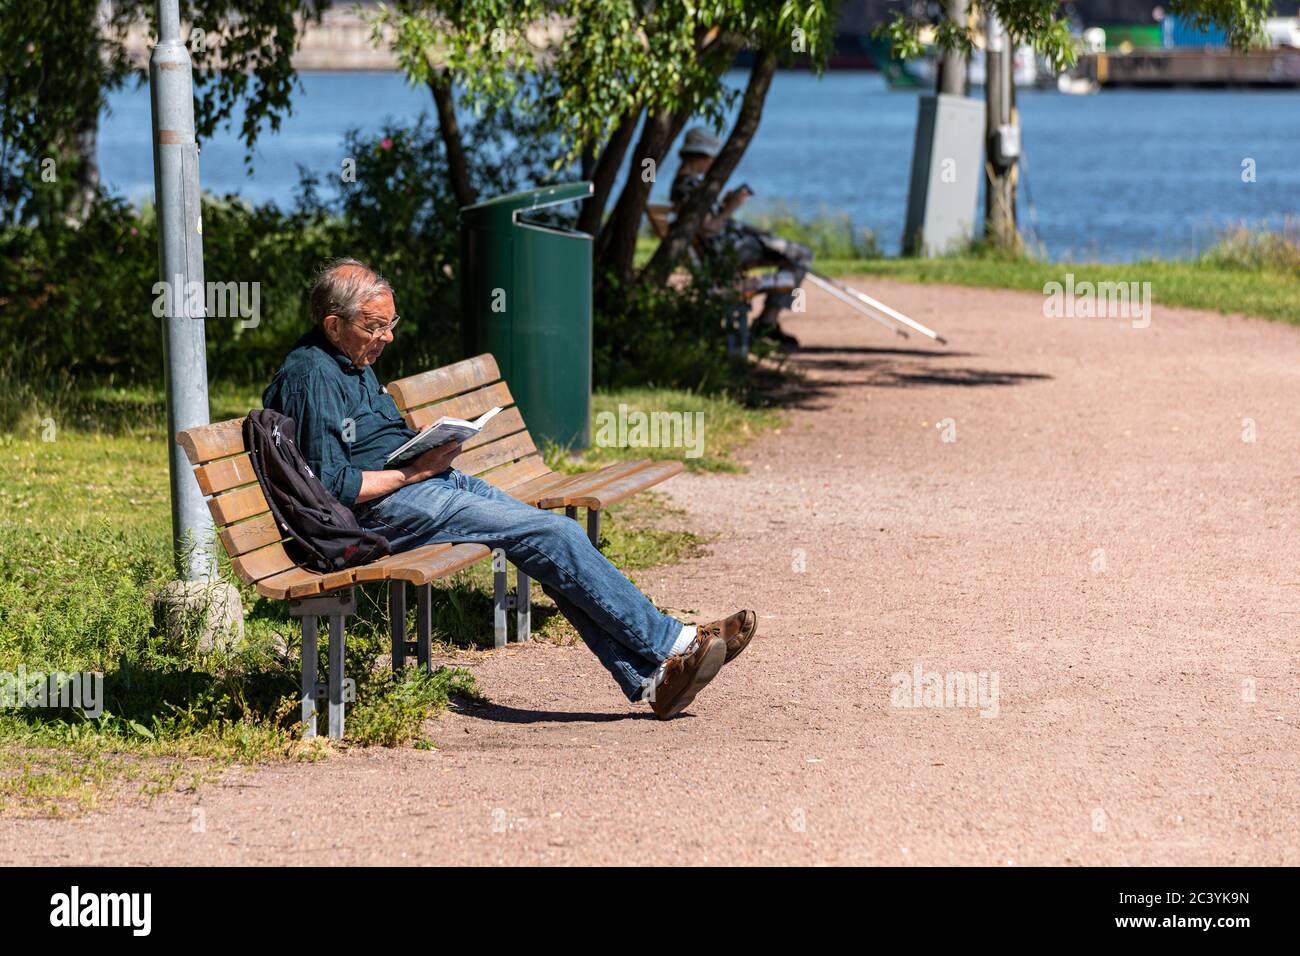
[(721, 235), (347, 427)]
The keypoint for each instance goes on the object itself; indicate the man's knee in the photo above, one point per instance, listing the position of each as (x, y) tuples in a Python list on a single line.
[(555, 530)]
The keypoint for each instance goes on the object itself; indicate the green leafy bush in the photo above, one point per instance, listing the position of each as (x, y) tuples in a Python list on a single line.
[(674, 336), (80, 303)]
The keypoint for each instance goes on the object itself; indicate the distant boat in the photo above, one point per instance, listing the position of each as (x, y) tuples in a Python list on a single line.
[(1076, 85)]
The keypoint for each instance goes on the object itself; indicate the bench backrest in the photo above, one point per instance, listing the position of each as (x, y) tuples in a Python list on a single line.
[(503, 453), (244, 523), (245, 526)]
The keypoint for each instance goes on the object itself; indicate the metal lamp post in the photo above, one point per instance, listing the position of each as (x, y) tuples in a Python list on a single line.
[(180, 260)]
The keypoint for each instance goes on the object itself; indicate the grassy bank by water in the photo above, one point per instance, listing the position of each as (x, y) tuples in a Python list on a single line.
[(1247, 271), (1268, 293)]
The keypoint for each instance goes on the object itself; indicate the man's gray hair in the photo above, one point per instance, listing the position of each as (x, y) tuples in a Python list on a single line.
[(343, 287)]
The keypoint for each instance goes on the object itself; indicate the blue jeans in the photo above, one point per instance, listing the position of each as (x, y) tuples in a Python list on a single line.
[(629, 635)]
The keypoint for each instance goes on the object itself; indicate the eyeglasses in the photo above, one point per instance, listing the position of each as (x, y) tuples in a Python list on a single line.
[(380, 330)]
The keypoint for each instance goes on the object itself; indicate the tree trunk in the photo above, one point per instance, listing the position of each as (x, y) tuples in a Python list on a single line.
[(952, 78), (616, 243), (691, 216), (1000, 175), (606, 169), (615, 247), (457, 165), (85, 140)]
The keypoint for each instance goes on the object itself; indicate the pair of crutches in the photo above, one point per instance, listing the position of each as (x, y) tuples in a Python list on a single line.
[(872, 308), (863, 303)]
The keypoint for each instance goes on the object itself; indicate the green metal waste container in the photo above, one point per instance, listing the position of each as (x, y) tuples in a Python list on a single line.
[(526, 298)]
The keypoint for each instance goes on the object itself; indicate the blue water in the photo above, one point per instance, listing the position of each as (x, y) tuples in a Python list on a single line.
[(1111, 177)]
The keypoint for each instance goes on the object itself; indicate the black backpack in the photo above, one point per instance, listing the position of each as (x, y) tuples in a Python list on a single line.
[(324, 535)]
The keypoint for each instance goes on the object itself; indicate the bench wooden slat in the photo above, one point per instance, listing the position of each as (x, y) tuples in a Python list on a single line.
[(250, 535), (245, 502), (438, 383), (263, 563), (587, 481), (206, 442), (418, 568), (526, 469), (496, 453), (614, 492), (323, 582), (295, 582), (468, 406), (278, 586), (379, 570), (504, 423), (224, 474), (531, 491)]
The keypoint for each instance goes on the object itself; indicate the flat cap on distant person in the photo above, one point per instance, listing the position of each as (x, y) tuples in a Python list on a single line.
[(700, 142)]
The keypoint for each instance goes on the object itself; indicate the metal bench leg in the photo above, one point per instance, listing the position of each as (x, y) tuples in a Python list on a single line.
[(593, 527), (523, 606), (571, 511), (309, 676), (336, 606), (336, 676), (424, 626), (500, 599), (397, 622)]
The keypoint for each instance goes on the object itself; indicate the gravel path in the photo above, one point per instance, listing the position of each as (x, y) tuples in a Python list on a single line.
[(1099, 542)]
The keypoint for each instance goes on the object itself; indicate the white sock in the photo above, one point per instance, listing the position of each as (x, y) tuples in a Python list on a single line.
[(684, 640)]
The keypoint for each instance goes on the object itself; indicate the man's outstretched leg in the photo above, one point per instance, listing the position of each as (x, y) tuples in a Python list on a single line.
[(648, 652)]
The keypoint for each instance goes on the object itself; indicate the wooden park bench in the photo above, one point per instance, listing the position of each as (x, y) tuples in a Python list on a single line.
[(659, 215), (503, 454)]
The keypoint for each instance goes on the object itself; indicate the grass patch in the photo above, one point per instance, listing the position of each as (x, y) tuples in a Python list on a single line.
[(1250, 271), (830, 235), (1218, 281), (396, 717), (85, 542), (66, 780), (720, 424)]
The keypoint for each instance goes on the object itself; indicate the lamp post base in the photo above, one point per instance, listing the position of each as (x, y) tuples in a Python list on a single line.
[(211, 610)]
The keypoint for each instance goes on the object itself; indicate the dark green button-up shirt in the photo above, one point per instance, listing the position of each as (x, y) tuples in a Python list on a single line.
[(347, 422)]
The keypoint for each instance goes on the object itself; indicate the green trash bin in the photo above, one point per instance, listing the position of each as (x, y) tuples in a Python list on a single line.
[(526, 298)]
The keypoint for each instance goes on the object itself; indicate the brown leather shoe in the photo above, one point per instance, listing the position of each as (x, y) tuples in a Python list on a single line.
[(686, 674), (737, 630)]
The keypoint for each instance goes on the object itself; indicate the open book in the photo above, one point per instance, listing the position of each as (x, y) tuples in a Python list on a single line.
[(439, 433)]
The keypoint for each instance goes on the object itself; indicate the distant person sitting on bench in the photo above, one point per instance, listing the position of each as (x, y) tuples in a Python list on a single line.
[(722, 235), (347, 427)]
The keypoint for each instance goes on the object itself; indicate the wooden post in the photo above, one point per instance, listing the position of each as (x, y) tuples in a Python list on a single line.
[(952, 72), (1000, 170)]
